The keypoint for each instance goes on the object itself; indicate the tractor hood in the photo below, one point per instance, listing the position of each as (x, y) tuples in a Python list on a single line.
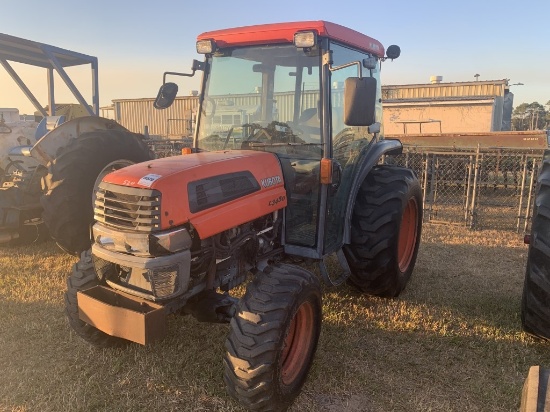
[(214, 191)]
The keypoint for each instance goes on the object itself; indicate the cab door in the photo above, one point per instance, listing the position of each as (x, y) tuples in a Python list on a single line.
[(347, 145)]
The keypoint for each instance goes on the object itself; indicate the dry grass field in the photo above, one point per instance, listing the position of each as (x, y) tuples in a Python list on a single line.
[(451, 342)]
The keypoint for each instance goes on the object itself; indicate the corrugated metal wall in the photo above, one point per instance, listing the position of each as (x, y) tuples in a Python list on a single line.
[(438, 90), (175, 121)]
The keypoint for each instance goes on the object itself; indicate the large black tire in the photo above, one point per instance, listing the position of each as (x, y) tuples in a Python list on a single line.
[(69, 184), (535, 302), (273, 338), (83, 277), (385, 232)]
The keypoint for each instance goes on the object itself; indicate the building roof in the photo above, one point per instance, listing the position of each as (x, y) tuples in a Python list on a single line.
[(472, 83), (446, 91), (442, 99)]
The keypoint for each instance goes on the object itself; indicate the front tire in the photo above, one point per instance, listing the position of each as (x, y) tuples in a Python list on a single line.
[(273, 338), (385, 232), (71, 179)]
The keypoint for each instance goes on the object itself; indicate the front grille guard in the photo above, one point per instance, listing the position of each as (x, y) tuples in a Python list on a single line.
[(128, 208)]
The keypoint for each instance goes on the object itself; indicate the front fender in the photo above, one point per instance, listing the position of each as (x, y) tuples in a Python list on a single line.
[(47, 148), (371, 158)]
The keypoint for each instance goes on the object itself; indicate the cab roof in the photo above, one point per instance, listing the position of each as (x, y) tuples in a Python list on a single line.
[(284, 33)]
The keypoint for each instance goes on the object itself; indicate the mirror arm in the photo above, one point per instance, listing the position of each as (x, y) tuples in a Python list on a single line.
[(176, 74), (197, 65)]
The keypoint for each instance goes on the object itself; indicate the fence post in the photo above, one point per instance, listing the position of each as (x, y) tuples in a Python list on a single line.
[(473, 210), (425, 189), (468, 189), (523, 180), (530, 196)]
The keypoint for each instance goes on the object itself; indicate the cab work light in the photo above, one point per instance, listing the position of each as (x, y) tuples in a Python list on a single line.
[(305, 39), (206, 46)]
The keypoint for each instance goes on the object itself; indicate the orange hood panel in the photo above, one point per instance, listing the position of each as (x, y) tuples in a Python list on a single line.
[(214, 191)]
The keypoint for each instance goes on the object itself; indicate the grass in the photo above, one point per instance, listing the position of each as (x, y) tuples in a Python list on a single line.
[(451, 342)]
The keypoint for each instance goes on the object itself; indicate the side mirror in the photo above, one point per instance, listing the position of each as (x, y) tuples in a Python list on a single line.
[(166, 96), (359, 101)]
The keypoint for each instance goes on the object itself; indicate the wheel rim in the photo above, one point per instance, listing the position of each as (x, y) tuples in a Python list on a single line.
[(111, 167), (408, 234), (298, 343)]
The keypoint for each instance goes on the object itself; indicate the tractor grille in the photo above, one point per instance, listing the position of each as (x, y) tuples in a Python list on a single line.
[(128, 208)]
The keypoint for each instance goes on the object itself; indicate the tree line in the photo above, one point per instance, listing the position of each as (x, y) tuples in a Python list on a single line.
[(531, 116)]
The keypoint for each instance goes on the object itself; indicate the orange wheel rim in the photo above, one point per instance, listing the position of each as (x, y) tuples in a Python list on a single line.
[(298, 343), (407, 235)]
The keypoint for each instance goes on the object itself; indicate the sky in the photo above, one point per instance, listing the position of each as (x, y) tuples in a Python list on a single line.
[(136, 41)]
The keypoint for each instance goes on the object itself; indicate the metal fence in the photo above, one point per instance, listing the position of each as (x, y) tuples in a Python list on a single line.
[(478, 188)]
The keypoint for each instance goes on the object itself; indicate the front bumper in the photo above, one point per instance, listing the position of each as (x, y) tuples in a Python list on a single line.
[(152, 278), (119, 314)]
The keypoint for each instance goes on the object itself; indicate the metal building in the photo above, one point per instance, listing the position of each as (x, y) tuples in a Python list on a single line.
[(436, 107)]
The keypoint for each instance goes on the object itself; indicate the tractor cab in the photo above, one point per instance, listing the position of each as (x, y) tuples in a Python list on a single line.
[(308, 92)]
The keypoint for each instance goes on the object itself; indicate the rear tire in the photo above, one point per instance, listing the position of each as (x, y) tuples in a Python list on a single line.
[(535, 302), (385, 232), (69, 185), (84, 277), (273, 338)]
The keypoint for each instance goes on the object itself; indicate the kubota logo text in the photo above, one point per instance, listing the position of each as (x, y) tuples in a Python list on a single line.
[(270, 181)]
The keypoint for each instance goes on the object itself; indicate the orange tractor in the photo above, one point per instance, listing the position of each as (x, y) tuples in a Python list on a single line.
[(285, 168)]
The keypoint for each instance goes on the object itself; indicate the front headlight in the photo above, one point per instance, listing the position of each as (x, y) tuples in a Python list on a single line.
[(171, 241), (141, 244)]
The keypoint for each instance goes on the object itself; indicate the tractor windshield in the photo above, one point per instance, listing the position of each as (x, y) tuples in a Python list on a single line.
[(262, 98)]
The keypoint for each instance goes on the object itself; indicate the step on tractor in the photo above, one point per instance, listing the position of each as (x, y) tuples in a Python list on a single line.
[(285, 169)]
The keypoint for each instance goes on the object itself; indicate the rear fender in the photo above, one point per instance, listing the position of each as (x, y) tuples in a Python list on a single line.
[(47, 148), (375, 152)]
